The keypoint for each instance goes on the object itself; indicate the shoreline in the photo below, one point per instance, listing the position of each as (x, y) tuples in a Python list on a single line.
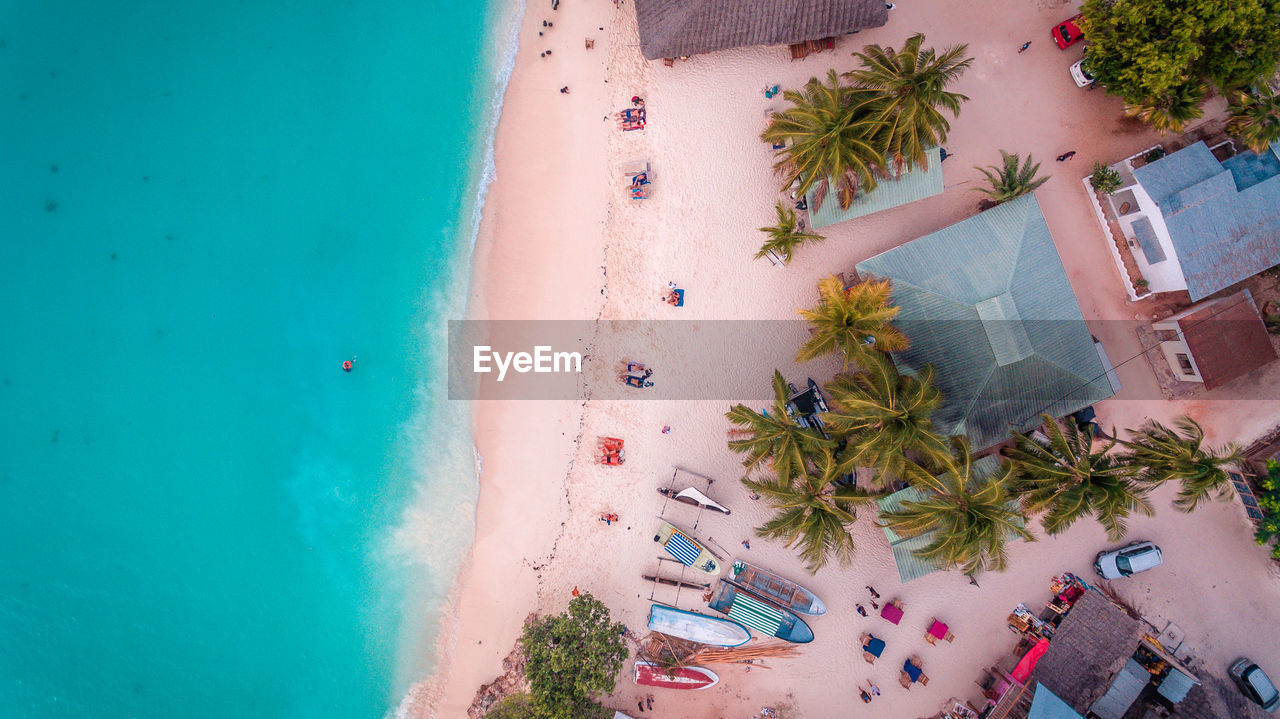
[(557, 241)]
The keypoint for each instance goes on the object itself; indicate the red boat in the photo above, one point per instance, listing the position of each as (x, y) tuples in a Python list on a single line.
[(655, 675)]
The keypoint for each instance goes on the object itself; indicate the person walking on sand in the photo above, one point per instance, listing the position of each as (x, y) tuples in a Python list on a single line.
[(648, 702), (1024, 47), (640, 706), (1066, 156), (874, 605)]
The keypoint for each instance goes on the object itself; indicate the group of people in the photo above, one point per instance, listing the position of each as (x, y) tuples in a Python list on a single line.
[(637, 375), (872, 690), (874, 596), (612, 452)]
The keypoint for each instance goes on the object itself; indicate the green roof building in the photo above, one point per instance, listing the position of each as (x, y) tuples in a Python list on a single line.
[(987, 302), (924, 181)]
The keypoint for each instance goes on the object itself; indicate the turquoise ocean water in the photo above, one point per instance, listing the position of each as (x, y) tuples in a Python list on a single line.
[(206, 207)]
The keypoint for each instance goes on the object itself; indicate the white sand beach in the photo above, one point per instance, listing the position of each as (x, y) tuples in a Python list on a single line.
[(560, 240)]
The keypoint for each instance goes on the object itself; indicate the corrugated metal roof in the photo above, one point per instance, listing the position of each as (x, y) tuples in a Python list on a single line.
[(675, 28), (938, 282), (923, 181), (1124, 691), (1176, 686), (1224, 221), (1008, 338), (1147, 240), (1046, 705)]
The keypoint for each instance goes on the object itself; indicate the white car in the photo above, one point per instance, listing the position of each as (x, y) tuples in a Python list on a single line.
[(1129, 559), (1081, 75)]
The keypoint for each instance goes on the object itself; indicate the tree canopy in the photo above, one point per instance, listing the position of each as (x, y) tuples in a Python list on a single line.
[(1144, 49), (572, 656)]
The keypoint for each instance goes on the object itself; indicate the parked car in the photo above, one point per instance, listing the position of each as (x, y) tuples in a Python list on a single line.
[(1255, 684), (1067, 33), (1080, 74), (1129, 559)]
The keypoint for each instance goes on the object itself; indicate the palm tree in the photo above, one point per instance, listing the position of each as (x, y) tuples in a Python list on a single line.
[(811, 512), (829, 137), (1011, 181), (884, 418), (972, 518), (774, 435), (786, 236), (1165, 454), (851, 322), (1255, 118), (1169, 112), (1069, 478), (910, 85)]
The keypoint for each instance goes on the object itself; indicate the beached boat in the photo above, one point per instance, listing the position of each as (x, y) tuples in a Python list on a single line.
[(772, 588), (767, 618), (697, 627), (689, 495), (649, 674), (677, 583), (691, 553)]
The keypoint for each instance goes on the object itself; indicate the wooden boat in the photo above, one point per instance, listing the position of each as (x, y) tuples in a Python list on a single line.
[(770, 587), (691, 553), (689, 495), (677, 583), (765, 617), (649, 674), (697, 627)]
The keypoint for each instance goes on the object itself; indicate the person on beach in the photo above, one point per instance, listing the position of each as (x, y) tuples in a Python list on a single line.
[(575, 590), (1066, 156), (564, 90), (860, 609), (875, 690), (1024, 47), (873, 591), (866, 698), (640, 706), (746, 543), (666, 429), (874, 605), (648, 701)]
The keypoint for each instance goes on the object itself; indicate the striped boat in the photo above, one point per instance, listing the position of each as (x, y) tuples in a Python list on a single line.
[(687, 550), (764, 617)]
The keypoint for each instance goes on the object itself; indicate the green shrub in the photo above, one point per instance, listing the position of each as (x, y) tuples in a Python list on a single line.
[(571, 657), (1269, 502), (1154, 154), (1104, 179)]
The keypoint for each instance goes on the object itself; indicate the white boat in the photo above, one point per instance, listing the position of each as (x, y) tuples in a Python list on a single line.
[(697, 627), (689, 495)]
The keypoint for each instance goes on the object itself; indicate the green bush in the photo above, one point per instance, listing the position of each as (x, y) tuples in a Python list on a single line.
[(1269, 502), (1104, 179), (1154, 154), (570, 657)]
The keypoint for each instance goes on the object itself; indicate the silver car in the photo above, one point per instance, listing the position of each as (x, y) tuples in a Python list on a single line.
[(1255, 684), (1129, 559)]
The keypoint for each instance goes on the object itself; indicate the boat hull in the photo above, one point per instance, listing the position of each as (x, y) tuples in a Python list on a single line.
[(768, 586), (697, 627), (765, 617), (648, 674)]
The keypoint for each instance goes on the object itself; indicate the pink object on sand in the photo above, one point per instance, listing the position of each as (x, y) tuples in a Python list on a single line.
[(1023, 670), (938, 629), (892, 613)]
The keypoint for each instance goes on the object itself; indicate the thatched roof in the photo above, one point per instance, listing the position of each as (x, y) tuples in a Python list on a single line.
[(1089, 648), (675, 28)]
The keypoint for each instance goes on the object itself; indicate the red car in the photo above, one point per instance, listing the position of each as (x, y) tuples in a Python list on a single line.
[(1068, 33)]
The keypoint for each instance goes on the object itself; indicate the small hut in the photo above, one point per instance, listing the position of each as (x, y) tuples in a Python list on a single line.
[(679, 28)]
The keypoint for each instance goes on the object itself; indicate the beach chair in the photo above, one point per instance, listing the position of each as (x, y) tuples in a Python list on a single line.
[(912, 671), (892, 611), (591, 43)]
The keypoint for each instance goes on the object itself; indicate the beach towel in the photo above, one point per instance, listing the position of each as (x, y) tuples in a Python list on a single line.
[(681, 548), (755, 614)]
